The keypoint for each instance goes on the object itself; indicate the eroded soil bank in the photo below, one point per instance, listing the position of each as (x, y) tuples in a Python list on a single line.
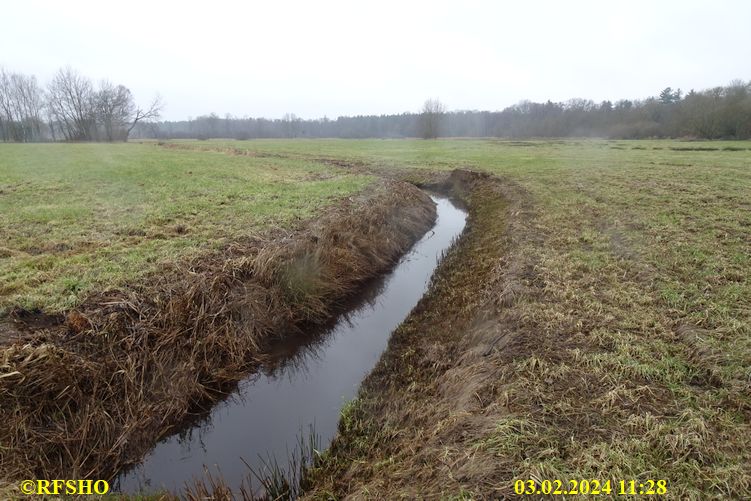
[(87, 397)]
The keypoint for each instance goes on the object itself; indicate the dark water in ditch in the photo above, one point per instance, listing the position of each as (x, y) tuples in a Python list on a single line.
[(307, 385)]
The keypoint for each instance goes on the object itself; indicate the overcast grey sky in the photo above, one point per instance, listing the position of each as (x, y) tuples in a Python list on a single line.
[(317, 58)]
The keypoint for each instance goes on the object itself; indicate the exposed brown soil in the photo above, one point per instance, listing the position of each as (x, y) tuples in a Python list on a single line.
[(22, 324), (9, 333), (84, 397)]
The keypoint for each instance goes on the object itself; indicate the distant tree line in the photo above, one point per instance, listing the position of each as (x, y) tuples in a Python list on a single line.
[(70, 108), (721, 112)]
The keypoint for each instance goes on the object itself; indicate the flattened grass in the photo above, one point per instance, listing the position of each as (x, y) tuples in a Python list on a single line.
[(81, 217)]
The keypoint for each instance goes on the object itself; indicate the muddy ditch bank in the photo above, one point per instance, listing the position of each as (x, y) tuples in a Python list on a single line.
[(86, 398)]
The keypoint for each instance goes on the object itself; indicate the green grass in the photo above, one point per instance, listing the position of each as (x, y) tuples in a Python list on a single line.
[(81, 217)]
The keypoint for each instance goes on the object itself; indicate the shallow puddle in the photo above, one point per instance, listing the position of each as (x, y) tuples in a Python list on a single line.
[(307, 385)]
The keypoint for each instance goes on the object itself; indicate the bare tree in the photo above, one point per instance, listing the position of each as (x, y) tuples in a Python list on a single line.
[(114, 109), (291, 124), (430, 118), (21, 104), (152, 112), (82, 113), (71, 105), (31, 102), (8, 126)]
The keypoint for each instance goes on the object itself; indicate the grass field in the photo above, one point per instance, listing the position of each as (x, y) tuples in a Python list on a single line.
[(638, 361), (637, 358), (76, 218)]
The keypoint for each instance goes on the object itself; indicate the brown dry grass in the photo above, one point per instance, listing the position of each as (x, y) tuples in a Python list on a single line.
[(84, 399)]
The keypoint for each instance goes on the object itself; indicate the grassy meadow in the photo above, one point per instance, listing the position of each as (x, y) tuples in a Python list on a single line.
[(81, 217), (642, 363)]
